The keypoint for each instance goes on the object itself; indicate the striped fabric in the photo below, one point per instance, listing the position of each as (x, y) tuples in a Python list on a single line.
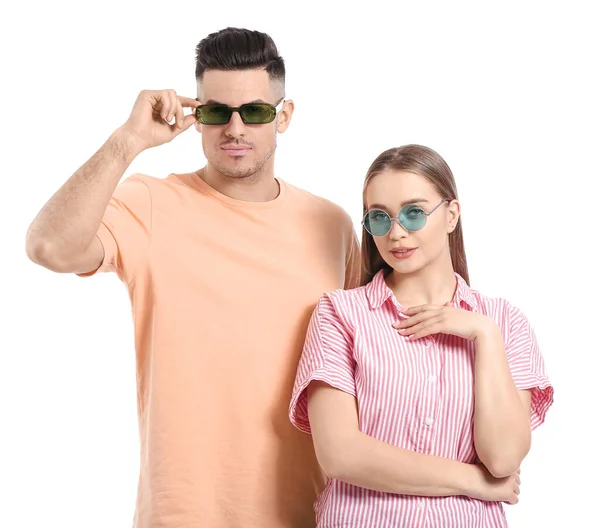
[(415, 395)]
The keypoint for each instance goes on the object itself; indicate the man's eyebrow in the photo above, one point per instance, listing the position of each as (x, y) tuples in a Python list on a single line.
[(214, 101)]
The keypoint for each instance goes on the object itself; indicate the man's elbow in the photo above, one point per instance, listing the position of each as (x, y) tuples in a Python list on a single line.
[(44, 253)]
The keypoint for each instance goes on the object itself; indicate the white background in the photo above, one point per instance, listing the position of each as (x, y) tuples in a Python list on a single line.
[(507, 92)]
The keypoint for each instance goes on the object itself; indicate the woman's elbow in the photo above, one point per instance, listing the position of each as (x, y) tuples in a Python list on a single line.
[(501, 466), (336, 461)]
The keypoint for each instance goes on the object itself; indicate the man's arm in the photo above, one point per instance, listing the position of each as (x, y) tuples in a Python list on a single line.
[(62, 236)]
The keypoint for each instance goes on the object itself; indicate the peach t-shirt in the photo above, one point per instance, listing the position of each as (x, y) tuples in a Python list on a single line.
[(222, 292)]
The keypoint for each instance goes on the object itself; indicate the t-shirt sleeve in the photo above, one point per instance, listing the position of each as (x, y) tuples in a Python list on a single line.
[(327, 356), (527, 366), (125, 230), (353, 263)]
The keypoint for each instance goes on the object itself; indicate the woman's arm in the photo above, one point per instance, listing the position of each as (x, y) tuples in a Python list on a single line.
[(346, 454), (502, 427), (502, 431)]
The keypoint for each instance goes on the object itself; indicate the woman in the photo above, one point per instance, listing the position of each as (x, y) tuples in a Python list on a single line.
[(420, 392)]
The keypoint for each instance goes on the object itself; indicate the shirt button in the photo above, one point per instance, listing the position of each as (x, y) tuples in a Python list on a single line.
[(429, 420), (420, 505), (431, 378)]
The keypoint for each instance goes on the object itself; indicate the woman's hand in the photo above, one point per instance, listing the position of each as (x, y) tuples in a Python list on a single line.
[(429, 319)]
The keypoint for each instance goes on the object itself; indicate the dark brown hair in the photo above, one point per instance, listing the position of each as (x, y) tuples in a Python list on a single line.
[(239, 49), (429, 164)]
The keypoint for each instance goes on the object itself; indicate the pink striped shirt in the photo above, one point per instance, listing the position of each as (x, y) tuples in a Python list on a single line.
[(415, 395)]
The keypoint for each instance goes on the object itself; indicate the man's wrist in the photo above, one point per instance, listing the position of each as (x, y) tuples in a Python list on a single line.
[(127, 144)]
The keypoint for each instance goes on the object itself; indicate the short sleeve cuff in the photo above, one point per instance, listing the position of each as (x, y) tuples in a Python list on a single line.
[(298, 410), (542, 397), (110, 249)]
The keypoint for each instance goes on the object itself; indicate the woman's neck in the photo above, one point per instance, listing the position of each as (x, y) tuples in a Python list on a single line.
[(434, 284)]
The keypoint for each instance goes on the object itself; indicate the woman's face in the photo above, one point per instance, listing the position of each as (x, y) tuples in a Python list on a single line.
[(408, 251)]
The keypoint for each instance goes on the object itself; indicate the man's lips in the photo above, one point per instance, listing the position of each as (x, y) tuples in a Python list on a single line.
[(236, 150)]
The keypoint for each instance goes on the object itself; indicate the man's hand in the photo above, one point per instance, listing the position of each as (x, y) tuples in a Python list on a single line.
[(154, 110)]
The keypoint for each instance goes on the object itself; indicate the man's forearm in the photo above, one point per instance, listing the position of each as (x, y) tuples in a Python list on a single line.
[(67, 223)]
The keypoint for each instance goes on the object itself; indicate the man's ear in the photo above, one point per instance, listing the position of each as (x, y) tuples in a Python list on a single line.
[(284, 116)]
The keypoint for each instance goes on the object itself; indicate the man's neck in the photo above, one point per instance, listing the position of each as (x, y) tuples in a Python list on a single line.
[(259, 187)]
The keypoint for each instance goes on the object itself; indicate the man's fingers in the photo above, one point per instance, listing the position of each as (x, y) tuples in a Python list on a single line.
[(179, 114), (165, 106), (187, 122), (172, 105), (187, 102)]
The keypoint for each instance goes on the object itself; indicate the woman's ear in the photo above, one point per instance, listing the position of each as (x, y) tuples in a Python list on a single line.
[(453, 215)]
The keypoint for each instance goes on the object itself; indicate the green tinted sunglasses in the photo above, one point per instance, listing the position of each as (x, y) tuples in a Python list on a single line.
[(251, 113), (411, 217)]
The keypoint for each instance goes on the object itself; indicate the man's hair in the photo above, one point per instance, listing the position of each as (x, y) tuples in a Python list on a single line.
[(239, 49)]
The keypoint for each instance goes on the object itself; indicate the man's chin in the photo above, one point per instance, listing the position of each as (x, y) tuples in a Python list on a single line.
[(239, 171)]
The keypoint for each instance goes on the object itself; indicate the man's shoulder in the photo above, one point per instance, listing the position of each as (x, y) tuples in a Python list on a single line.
[(154, 185), (307, 199), (138, 180)]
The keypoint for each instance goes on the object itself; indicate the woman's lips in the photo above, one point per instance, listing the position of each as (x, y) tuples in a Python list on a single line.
[(403, 253)]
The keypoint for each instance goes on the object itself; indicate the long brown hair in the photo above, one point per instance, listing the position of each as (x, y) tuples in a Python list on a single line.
[(429, 164)]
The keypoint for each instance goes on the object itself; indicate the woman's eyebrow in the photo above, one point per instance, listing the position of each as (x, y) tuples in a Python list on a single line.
[(406, 202)]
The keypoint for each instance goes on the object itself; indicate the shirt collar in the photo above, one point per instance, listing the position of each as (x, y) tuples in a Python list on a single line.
[(378, 292)]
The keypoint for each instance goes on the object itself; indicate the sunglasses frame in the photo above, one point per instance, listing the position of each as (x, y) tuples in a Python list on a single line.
[(238, 109), (392, 218)]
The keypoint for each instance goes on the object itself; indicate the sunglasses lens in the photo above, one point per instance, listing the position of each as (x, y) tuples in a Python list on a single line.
[(213, 114), (257, 114), (377, 222), (412, 217)]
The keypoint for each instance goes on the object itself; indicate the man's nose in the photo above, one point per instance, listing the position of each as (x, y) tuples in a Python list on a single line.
[(236, 127)]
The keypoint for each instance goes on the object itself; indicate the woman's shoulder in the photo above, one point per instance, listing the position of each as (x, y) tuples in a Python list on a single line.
[(341, 295), (499, 308), (345, 304)]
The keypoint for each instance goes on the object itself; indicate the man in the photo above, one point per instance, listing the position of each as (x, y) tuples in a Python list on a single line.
[(223, 266)]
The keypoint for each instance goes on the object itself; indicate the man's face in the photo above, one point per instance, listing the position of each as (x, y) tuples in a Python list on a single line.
[(238, 150)]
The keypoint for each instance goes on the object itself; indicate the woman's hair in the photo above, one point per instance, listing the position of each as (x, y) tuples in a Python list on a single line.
[(429, 164), (239, 49)]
